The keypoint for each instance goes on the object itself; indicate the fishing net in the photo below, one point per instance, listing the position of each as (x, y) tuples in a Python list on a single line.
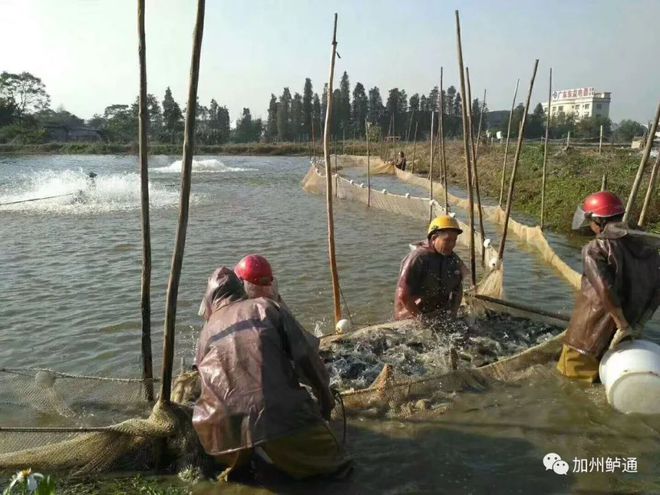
[(78, 410), (392, 394)]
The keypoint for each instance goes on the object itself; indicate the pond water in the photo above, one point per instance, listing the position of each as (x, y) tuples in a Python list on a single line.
[(70, 294)]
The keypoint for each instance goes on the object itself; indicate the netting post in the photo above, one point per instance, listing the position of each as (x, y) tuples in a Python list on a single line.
[(366, 126), (545, 152), (475, 175), (512, 181), (431, 169), (145, 300), (642, 166), (506, 146), (412, 165), (184, 204), (441, 132), (649, 192), (466, 147), (328, 174)]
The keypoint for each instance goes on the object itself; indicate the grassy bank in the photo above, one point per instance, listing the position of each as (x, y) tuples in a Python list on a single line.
[(571, 176), (273, 149)]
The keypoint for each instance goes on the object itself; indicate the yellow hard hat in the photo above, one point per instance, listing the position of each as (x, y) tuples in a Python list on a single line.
[(444, 222)]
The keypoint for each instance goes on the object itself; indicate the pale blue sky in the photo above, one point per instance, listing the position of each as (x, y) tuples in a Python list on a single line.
[(86, 50)]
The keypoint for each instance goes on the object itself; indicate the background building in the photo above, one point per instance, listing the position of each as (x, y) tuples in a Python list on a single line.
[(581, 102)]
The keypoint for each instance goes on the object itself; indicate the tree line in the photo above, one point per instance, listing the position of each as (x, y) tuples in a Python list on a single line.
[(26, 117)]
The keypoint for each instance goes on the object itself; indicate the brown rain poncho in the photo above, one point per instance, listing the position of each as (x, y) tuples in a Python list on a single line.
[(251, 355), (621, 270), (428, 282)]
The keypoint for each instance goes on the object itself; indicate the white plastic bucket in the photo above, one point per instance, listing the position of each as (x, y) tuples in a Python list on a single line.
[(631, 376)]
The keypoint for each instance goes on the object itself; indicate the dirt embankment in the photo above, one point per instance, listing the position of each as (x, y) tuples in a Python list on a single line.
[(571, 175)]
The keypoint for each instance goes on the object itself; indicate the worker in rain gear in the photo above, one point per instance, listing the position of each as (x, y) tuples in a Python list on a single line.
[(431, 277), (251, 357), (620, 288)]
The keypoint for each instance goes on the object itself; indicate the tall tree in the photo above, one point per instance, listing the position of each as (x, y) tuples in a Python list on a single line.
[(218, 123), (449, 101), (376, 113), (360, 109), (433, 99), (283, 116), (297, 117), (172, 118), (316, 117), (535, 124), (271, 122), (414, 103), (307, 103), (247, 131), (343, 117), (26, 91)]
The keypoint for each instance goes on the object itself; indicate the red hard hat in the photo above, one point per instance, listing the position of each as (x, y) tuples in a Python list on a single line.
[(603, 204), (255, 269)]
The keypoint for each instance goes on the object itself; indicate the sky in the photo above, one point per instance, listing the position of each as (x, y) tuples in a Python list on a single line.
[(85, 51)]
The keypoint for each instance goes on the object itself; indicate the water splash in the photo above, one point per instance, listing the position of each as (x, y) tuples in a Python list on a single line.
[(72, 192), (201, 166)]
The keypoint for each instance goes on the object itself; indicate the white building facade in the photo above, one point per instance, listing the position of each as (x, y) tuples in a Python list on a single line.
[(581, 103)]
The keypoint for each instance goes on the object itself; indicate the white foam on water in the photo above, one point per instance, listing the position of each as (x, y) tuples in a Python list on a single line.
[(72, 192), (201, 166)]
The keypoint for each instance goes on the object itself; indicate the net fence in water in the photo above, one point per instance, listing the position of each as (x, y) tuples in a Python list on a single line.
[(531, 235), (416, 207)]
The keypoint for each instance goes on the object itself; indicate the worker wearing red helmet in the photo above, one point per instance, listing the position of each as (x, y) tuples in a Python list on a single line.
[(620, 286), (252, 356), (257, 276)]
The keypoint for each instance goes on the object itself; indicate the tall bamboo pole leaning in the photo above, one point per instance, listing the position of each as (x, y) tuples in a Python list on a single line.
[(366, 126), (466, 147), (431, 169), (441, 132), (642, 166), (545, 152), (328, 176), (512, 180), (412, 114), (475, 174), (600, 140), (412, 164), (145, 301), (649, 192), (506, 146), (186, 172)]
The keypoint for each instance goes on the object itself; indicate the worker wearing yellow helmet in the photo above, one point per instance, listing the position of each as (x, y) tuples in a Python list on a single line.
[(431, 276)]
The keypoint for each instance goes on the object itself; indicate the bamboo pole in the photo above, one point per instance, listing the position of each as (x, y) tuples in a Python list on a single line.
[(313, 142), (366, 126), (512, 180), (481, 116), (328, 175), (186, 169), (642, 166), (568, 140), (600, 141), (468, 169), (412, 114), (431, 169), (649, 192), (336, 169), (441, 131), (545, 152), (145, 301), (506, 146), (475, 174), (412, 168)]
